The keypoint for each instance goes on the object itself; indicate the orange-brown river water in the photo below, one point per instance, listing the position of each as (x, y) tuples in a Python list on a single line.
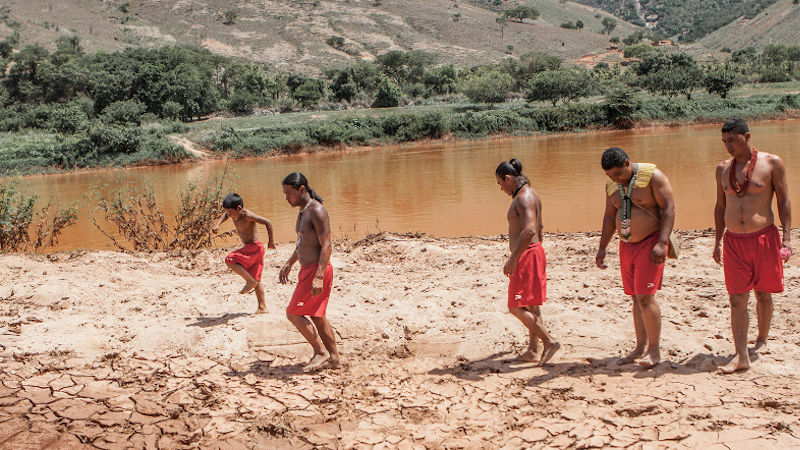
[(450, 189)]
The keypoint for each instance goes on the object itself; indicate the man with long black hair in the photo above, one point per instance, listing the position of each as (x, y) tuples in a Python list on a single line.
[(313, 251)]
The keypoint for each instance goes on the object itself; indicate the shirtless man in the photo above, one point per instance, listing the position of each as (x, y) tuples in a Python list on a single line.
[(639, 206), (527, 288), (248, 261), (313, 290), (752, 251)]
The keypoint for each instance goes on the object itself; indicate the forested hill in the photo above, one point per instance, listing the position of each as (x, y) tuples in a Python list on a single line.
[(303, 35), (684, 20), (780, 23)]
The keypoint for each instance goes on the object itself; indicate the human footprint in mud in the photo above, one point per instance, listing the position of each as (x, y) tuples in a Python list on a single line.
[(313, 251), (526, 267), (248, 261), (751, 250), (640, 207)]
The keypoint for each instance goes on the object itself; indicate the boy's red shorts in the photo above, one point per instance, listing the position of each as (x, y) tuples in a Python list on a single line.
[(251, 257), (639, 275), (528, 285), (752, 261), (303, 303)]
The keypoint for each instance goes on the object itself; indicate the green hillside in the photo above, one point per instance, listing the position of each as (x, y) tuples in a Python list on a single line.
[(683, 20), (292, 34), (780, 23)]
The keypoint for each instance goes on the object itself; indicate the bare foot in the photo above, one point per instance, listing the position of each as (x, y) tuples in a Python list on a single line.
[(334, 363), (261, 310), (249, 287), (648, 361), (734, 365), (317, 362), (758, 346), (636, 354), (549, 351), (528, 356)]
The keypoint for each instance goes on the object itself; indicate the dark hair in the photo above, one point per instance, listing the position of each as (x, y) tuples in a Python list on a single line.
[(297, 179), (513, 168), (736, 125), (613, 157), (232, 201)]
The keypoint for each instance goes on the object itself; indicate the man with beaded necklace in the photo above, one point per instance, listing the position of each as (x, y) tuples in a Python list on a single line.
[(751, 252), (640, 207)]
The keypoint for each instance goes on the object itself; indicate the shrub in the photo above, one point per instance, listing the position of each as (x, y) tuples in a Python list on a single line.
[(23, 229), (132, 209), (124, 112), (774, 75), (388, 94)]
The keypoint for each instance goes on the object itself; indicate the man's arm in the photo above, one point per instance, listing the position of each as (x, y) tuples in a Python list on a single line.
[(662, 191), (609, 227), (782, 197), (526, 209), (322, 225), (219, 221), (263, 221), (283, 275), (719, 215)]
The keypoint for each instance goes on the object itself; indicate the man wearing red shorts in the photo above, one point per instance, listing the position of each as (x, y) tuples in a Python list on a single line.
[(527, 288), (640, 207), (751, 250), (313, 251), (248, 261)]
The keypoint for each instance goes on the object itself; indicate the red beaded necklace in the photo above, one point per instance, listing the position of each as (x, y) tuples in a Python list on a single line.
[(742, 190)]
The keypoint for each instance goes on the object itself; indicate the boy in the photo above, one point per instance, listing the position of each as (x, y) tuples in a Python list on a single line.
[(248, 261)]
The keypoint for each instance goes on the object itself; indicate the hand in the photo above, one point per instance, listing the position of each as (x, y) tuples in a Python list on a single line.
[(785, 253), (601, 258), (271, 245), (509, 268), (316, 286), (659, 254), (214, 230), (283, 276), (787, 244), (718, 254)]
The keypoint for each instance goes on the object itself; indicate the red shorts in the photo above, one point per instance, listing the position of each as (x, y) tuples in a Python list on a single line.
[(251, 257), (303, 303), (639, 275), (752, 261), (528, 284)]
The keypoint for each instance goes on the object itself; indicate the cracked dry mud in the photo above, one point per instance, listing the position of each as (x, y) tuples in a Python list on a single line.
[(103, 350)]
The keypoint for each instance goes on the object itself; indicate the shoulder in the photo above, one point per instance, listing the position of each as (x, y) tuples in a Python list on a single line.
[(772, 160), (723, 165)]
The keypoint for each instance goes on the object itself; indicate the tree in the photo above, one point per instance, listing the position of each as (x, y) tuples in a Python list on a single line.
[(579, 24), (563, 85), (509, 48), (336, 42), (491, 87), (669, 74), (522, 12), (503, 21), (388, 94), (720, 81), (614, 40), (638, 50), (608, 25), (230, 17)]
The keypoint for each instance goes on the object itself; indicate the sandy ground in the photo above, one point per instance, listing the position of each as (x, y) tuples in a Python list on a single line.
[(153, 351)]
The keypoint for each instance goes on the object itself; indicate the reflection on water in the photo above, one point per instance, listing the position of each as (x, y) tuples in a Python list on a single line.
[(450, 189)]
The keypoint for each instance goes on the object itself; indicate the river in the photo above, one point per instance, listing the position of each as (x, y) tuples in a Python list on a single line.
[(449, 189)]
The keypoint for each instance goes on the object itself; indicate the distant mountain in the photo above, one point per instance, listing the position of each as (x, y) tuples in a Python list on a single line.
[(310, 35), (683, 20), (780, 24)]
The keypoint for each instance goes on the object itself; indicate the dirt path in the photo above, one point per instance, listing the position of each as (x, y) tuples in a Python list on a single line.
[(150, 351), (190, 146)]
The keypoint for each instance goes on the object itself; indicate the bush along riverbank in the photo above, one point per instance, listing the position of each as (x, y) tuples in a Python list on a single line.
[(620, 109)]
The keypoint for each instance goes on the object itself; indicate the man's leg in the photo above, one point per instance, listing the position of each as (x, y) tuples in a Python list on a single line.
[(307, 329), (534, 324), (328, 339), (650, 314), (641, 334), (238, 269), (262, 303), (740, 320), (764, 314)]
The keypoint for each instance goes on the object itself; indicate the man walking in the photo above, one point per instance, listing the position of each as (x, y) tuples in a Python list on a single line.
[(751, 252)]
